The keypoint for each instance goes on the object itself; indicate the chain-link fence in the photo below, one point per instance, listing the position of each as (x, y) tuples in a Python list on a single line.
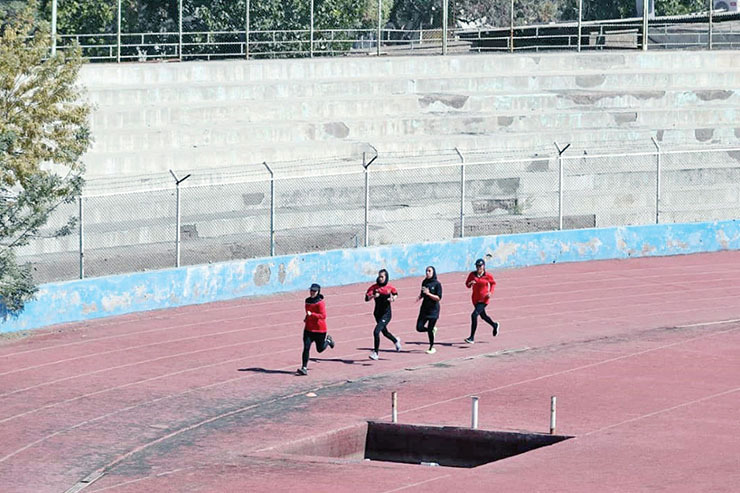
[(286, 209), (123, 30)]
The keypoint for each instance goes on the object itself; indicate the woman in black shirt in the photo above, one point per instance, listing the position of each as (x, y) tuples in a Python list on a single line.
[(431, 294)]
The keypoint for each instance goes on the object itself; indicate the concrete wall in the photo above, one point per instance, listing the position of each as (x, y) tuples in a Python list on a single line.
[(117, 295)]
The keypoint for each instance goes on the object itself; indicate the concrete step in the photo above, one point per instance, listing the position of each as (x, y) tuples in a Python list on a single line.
[(358, 129), (341, 68), (482, 83), (310, 109), (212, 160)]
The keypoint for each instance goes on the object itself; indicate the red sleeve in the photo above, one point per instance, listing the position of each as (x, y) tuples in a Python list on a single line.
[(320, 312), (370, 291), (392, 290), (470, 278), (491, 281)]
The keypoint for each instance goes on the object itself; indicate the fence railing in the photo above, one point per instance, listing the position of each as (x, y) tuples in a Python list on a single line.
[(372, 203), (704, 30)]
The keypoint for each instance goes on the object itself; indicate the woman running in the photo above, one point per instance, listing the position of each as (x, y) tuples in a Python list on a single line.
[(431, 293), (384, 294), (315, 326), (483, 284)]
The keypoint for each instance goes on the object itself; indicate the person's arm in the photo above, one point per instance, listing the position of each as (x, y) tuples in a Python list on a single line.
[(320, 312), (393, 295), (371, 293), (470, 281)]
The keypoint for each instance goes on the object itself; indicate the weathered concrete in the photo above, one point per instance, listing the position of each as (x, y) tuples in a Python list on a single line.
[(115, 295)]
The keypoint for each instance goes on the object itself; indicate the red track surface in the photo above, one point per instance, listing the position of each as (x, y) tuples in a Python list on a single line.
[(643, 355)]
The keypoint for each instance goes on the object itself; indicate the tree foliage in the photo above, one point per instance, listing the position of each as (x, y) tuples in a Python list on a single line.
[(43, 133)]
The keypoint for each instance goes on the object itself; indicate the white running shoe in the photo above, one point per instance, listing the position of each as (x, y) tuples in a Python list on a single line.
[(431, 350), (303, 370), (398, 344), (469, 341), (374, 356)]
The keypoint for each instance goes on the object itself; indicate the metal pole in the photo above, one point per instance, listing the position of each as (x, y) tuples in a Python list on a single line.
[(580, 22), (394, 407), (82, 241), (645, 10), (711, 20), (177, 215), (445, 7), (118, 35), (560, 184), (367, 199), (272, 209), (179, 29), (246, 32), (53, 27), (553, 403), (474, 418), (511, 24), (462, 193), (312, 28), (657, 181), (177, 226), (380, 21)]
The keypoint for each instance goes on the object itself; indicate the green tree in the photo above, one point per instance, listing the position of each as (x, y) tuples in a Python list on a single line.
[(43, 133)]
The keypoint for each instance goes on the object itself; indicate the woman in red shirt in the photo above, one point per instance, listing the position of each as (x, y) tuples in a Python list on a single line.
[(315, 326), (383, 293), (483, 284)]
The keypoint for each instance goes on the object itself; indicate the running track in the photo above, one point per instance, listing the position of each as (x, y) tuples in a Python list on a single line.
[(643, 355)]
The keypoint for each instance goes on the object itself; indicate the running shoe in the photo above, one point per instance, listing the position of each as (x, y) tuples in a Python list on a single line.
[(431, 350), (495, 329), (329, 341), (469, 340), (374, 356), (303, 370), (398, 344)]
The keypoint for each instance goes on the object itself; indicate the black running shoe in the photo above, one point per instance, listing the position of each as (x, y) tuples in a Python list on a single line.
[(329, 341), (495, 329)]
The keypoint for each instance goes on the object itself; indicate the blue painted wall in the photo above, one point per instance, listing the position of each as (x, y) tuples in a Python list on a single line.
[(117, 295)]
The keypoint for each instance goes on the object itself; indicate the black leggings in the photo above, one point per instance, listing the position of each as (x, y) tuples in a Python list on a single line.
[(382, 327), (308, 337), (480, 309), (429, 329)]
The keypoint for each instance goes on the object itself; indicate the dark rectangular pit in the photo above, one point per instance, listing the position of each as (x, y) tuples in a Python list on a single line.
[(416, 444)]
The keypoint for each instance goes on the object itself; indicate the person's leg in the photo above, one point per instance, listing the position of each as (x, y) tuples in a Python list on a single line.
[(420, 322), (485, 316), (321, 341), (306, 348), (380, 326), (431, 331), (474, 320)]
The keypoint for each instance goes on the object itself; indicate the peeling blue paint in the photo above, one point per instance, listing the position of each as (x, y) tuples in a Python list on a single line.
[(116, 295)]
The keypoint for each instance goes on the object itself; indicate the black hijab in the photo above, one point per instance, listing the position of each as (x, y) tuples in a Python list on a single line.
[(387, 278), (429, 280)]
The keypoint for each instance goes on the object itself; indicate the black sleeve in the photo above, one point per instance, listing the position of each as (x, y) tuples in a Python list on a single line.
[(439, 290)]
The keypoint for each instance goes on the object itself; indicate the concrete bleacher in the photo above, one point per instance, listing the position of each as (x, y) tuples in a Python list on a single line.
[(219, 120)]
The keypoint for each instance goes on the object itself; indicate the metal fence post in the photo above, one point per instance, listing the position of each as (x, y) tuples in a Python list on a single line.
[(366, 165), (177, 215), (645, 11), (179, 29), (657, 180), (711, 20), (560, 184), (445, 7), (82, 240), (380, 21), (272, 209), (511, 24), (118, 34), (53, 27), (462, 192), (246, 31), (580, 22), (311, 45)]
